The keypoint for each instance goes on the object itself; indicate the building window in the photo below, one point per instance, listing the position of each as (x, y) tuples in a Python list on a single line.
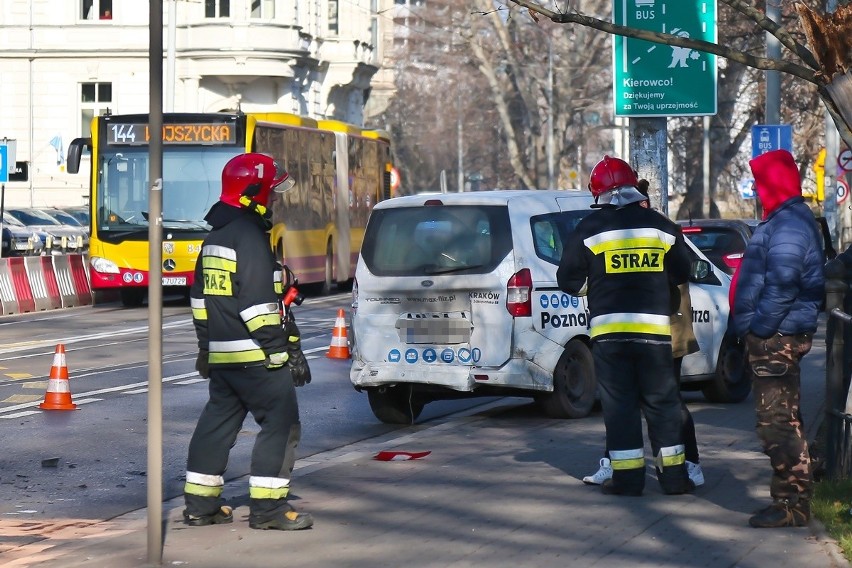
[(263, 9), (217, 8), (96, 10), (95, 100), (332, 17)]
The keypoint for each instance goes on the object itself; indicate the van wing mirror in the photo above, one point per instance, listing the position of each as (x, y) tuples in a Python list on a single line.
[(700, 270)]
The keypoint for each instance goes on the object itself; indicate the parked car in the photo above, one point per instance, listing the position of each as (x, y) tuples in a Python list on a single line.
[(66, 218), (65, 239), (81, 213), (723, 241), (18, 239), (456, 295)]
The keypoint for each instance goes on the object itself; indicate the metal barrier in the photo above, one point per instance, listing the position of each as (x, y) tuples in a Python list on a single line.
[(838, 399)]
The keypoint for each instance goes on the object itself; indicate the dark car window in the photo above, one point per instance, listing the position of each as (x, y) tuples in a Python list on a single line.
[(550, 231), (431, 240)]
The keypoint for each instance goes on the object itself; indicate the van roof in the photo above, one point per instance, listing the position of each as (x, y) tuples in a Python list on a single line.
[(491, 197)]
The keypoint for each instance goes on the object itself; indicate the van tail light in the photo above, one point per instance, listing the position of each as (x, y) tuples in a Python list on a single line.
[(733, 260), (519, 294)]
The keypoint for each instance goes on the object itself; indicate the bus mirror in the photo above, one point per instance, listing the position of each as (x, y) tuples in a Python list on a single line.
[(75, 152)]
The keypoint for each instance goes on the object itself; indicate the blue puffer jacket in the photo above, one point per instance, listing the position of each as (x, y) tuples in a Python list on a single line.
[(781, 284)]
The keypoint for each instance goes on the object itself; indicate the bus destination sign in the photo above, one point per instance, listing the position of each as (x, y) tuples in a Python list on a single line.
[(208, 133)]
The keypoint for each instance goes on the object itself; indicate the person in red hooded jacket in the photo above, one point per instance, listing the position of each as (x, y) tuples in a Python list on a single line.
[(776, 306)]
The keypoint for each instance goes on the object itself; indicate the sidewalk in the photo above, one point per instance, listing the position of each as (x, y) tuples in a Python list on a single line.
[(501, 487)]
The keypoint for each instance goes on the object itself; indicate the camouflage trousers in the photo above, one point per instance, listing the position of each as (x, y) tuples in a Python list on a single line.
[(774, 364)]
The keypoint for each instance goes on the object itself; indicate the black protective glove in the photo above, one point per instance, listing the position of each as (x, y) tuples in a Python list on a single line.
[(297, 363), (202, 364)]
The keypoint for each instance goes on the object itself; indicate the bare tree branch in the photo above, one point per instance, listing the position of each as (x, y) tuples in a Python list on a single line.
[(754, 61)]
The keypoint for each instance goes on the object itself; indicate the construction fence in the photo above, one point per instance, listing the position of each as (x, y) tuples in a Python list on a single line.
[(37, 283)]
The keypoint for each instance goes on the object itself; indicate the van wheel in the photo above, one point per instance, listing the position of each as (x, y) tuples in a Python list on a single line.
[(574, 384), (328, 282), (132, 297), (732, 382), (396, 404)]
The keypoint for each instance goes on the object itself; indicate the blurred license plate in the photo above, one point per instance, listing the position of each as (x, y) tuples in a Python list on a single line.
[(174, 280)]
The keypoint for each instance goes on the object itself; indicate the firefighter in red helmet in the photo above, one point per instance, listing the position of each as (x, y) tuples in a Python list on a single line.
[(629, 260), (244, 351)]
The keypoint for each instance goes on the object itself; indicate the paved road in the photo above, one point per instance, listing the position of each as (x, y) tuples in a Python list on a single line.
[(501, 487)]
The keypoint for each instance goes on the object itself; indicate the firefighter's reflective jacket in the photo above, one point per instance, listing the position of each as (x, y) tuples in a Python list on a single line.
[(236, 292), (630, 259)]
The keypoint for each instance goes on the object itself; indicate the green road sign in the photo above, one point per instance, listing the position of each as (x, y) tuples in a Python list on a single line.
[(652, 79)]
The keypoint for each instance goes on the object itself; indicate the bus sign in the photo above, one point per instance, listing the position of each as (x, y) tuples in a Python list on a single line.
[(210, 133)]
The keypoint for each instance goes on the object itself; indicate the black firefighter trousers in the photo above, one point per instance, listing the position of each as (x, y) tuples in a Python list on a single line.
[(637, 378), (270, 397)]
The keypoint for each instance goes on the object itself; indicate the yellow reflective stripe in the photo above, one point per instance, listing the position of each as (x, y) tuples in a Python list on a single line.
[(671, 456), (237, 351), (293, 338), (634, 260), (631, 327), (256, 323), (241, 357), (199, 308), (219, 264), (268, 493), (201, 490), (203, 485), (628, 238), (630, 323), (627, 459), (268, 487)]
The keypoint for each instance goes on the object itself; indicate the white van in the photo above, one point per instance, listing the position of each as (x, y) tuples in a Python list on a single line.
[(456, 295)]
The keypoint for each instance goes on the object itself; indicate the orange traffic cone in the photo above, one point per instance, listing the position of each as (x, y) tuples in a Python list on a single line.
[(58, 395), (339, 342)]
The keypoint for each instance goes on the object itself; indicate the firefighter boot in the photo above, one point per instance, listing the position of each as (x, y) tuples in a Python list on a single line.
[(223, 516), (286, 519), (783, 513), (674, 480)]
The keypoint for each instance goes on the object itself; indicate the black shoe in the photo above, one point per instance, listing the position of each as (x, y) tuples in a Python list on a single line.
[(782, 513), (688, 488), (610, 488), (223, 516), (286, 521)]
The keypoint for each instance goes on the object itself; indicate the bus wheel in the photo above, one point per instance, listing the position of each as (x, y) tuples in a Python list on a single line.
[(328, 282), (132, 297), (574, 384), (395, 404)]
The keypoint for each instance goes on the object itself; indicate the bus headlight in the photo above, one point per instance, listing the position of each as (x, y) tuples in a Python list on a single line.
[(103, 265)]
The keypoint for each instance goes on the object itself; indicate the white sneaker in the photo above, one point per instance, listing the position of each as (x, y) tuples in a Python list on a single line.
[(601, 475), (695, 473)]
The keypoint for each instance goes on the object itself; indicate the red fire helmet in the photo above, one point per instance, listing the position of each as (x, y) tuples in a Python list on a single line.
[(611, 173), (254, 176)]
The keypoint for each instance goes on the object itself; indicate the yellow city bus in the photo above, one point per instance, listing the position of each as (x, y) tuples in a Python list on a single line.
[(340, 171)]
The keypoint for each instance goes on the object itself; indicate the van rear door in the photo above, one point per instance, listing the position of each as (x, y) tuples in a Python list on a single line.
[(431, 285)]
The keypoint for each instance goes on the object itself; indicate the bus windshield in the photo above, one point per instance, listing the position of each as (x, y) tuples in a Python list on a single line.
[(191, 185)]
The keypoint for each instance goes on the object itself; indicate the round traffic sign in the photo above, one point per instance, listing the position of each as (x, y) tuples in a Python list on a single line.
[(842, 191), (844, 160)]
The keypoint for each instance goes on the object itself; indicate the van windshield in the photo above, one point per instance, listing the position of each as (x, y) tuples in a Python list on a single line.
[(431, 240)]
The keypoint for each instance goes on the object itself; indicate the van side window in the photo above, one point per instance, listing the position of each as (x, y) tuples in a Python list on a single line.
[(550, 231)]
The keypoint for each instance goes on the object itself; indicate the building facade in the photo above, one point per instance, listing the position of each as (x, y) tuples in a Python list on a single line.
[(64, 61)]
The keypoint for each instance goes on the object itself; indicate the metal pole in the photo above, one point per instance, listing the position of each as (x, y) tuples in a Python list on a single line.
[(708, 202), (832, 150), (155, 287), (170, 57), (551, 182), (773, 78)]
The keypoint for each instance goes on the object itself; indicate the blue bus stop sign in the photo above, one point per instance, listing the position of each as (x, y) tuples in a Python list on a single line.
[(4, 163), (769, 137)]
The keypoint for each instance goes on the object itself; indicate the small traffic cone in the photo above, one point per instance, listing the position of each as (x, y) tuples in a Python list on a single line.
[(58, 395), (339, 341)]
